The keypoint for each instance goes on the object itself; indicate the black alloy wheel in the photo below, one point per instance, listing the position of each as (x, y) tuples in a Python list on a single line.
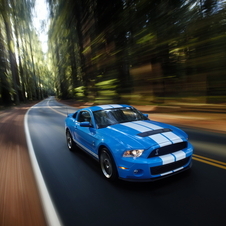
[(70, 143), (107, 165)]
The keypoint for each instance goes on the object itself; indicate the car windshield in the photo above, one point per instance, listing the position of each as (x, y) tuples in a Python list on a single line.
[(109, 117)]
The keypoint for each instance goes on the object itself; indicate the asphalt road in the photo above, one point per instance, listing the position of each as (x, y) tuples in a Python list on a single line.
[(82, 196)]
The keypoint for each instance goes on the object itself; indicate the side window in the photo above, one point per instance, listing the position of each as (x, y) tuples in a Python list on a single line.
[(84, 116), (74, 115)]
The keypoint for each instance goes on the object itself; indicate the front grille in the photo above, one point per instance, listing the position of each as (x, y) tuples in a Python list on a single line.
[(169, 167), (168, 149)]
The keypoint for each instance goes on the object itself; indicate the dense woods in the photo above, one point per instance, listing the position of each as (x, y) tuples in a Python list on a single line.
[(118, 51), (23, 71)]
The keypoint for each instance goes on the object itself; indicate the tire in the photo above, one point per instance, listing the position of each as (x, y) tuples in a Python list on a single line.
[(70, 143), (107, 165)]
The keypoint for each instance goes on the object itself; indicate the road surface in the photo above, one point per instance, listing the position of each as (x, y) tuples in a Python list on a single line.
[(83, 197)]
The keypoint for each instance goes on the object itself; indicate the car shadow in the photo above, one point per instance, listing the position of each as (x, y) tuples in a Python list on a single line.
[(170, 181)]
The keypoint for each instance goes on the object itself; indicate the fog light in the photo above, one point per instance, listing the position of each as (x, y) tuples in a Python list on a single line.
[(138, 171)]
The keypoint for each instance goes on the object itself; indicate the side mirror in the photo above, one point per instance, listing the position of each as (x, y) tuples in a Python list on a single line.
[(85, 124), (146, 115)]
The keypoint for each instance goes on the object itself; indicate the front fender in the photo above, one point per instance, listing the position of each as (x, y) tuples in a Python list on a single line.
[(115, 146)]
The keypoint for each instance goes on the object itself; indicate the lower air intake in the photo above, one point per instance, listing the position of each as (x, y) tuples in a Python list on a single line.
[(169, 167)]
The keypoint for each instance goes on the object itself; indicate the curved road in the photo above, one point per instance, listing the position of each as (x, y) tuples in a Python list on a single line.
[(82, 196)]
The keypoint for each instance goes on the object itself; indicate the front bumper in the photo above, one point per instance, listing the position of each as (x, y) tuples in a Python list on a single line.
[(140, 169), (156, 178)]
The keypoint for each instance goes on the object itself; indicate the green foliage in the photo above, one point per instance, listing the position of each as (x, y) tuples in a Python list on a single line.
[(107, 85), (24, 74), (146, 38), (144, 51), (106, 91), (80, 93)]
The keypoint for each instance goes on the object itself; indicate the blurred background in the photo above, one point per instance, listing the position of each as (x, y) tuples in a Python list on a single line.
[(117, 51)]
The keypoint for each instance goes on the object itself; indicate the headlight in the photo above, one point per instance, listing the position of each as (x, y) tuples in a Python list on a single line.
[(133, 153)]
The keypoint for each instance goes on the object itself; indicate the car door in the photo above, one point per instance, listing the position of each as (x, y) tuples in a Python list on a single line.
[(86, 136)]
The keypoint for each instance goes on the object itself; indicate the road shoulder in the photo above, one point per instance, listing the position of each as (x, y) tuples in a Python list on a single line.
[(19, 197)]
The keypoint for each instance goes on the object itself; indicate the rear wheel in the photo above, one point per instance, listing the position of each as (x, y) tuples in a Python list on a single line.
[(107, 165), (70, 143)]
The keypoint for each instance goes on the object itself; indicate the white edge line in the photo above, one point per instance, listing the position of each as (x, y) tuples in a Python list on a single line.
[(49, 210)]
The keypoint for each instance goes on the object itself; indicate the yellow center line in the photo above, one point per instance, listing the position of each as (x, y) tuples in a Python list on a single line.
[(209, 161), (56, 110)]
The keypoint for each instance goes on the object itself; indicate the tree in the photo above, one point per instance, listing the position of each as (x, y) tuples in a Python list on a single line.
[(154, 50), (22, 61)]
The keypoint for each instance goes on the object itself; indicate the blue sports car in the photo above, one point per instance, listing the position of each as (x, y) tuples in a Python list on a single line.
[(127, 144)]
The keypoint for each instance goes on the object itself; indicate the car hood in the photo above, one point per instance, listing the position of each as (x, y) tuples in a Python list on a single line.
[(144, 134)]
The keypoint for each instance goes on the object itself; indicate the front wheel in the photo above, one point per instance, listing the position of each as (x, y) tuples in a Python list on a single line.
[(107, 165), (70, 143)]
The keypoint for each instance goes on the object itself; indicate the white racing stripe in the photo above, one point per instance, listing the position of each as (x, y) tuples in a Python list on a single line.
[(107, 106), (179, 155), (116, 105), (167, 159), (163, 174), (173, 137), (148, 125), (141, 127), (86, 149), (168, 135), (178, 169), (135, 126), (104, 106), (160, 139)]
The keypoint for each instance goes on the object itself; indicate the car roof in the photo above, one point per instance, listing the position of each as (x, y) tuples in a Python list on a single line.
[(106, 106)]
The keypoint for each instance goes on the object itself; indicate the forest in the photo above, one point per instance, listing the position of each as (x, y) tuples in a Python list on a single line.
[(115, 51)]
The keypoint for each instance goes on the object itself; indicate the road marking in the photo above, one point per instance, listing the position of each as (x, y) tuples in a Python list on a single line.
[(49, 209), (209, 161), (55, 110)]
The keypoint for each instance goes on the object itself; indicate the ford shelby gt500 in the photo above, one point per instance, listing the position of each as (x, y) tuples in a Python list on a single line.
[(127, 144)]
